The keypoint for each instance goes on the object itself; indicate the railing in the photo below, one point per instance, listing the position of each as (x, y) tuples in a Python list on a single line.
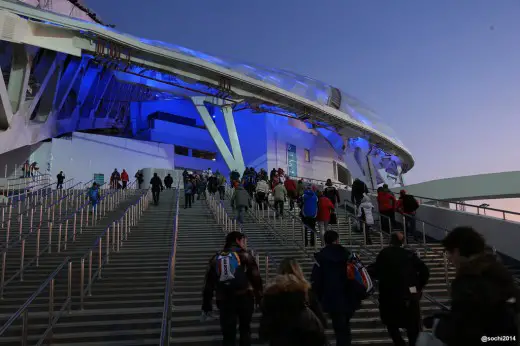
[(37, 179), (23, 311), (29, 212), (168, 290), (367, 251), (29, 195), (106, 203), (120, 228)]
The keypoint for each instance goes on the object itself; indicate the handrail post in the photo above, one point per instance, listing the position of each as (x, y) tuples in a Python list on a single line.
[(22, 259), (82, 283), (50, 237), (266, 267), (38, 247), (90, 272), (2, 278), (51, 301), (25, 327), (66, 234), (69, 285), (424, 235), (100, 256), (59, 238)]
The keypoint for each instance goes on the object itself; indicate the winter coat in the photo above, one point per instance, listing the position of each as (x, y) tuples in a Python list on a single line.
[(61, 178), (221, 180), (324, 208), (156, 183), (240, 198), (359, 188), (262, 186), (332, 193), (290, 185), (365, 211), (479, 295), (330, 283), (124, 176), (168, 180), (254, 278), (397, 269), (291, 315), (280, 193), (386, 201), (309, 204), (188, 188)]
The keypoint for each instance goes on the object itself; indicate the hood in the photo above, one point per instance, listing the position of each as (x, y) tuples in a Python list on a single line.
[(309, 193), (333, 253), (286, 293), (366, 199)]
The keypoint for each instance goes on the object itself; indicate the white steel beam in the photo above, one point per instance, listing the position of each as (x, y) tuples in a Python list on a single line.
[(48, 77), (233, 136), (229, 158), (6, 111), (19, 78)]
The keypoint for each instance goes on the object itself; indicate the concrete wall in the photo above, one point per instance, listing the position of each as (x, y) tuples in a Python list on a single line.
[(281, 132), (504, 235), (86, 154)]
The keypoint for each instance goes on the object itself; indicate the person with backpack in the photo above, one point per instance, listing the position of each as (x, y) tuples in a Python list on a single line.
[(331, 193), (188, 191), (157, 187), (240, 202), (290, 186), (250, 181), (234, 276), (325, 210), (407, 206), (339, 296), (94, 195), (114, 179), (139, 177), (124, 178), (221, 181), (262, 190), (402, 277), (359, 189), (60, 179), (386, 204), (485, 298), (168, 181), (365, 214), (280, 195), (309, 211)]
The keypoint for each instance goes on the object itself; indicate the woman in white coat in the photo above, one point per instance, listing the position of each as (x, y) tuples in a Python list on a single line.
[(364, 213)]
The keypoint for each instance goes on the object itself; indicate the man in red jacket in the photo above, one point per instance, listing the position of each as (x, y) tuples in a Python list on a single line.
[(387, 205), (124, 178), (290, 186), (325, 208)]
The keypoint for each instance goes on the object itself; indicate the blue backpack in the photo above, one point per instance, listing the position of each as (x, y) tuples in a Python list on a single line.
[(231, 274), (93, 194)]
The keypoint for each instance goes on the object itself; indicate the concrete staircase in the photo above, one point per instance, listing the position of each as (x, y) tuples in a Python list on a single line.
[(17, 291), (272, 243)]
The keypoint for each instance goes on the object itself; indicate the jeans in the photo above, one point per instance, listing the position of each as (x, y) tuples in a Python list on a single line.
[(278, 206), (124, 184), (240, 214), (239, 308), (341, 325), (410, 225), (187, 200), (323, 226), (155, 194), (222, 192), (59, 186), (260, 200), (310, 222), (412, 331)]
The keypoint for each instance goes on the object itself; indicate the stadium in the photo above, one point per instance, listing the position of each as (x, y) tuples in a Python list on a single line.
[(74, 88)]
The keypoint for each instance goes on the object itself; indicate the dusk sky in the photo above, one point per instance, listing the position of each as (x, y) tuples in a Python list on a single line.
[(445, 74)]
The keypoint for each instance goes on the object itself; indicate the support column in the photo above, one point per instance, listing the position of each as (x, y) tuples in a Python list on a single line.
[(233, 136), (19, 78), (235, 160)]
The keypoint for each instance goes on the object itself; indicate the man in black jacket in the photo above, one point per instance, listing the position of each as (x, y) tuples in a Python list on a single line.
[(402, 277), (157, 187), (168, 181), (61, 178), (233, 274), (338, 295), (359, 188), (484, 296)]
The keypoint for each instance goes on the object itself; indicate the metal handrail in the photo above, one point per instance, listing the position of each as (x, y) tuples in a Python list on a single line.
[(53, 317), (20, 214), (168, 290), (35, 259), (120, 227), (368, 251)]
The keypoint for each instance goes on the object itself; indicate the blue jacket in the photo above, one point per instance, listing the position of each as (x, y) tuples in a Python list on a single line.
[(310, 204), (330, 283), (188, 188)]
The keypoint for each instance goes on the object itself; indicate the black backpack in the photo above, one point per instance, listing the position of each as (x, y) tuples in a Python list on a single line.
[(410, 204)]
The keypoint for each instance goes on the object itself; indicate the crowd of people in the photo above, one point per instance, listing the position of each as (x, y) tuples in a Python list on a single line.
[(484, 295)]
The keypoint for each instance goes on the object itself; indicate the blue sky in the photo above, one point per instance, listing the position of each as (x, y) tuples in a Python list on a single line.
[(444, 74)]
